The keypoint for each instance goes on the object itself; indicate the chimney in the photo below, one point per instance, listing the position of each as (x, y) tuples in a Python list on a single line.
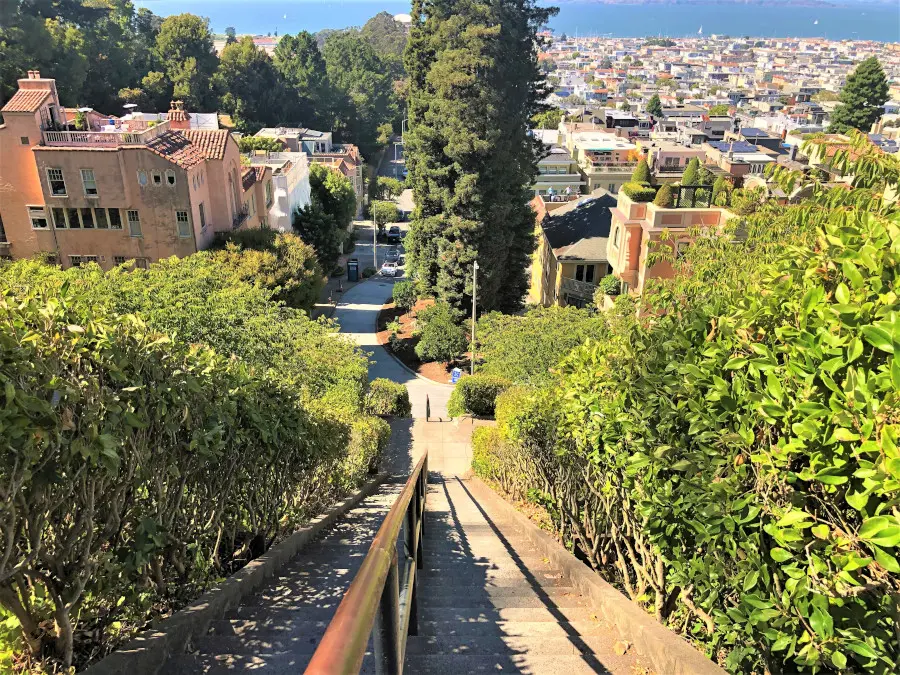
[(177, 117), (37, 75)]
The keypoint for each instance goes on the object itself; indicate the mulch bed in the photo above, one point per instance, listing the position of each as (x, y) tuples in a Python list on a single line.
[(437, 371)]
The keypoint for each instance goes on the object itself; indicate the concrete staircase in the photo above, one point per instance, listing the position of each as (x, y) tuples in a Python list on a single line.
[(490, 604)]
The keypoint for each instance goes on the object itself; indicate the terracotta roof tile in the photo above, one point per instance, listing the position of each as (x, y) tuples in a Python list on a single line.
[(189, 147), (248, 179), (26, 100)]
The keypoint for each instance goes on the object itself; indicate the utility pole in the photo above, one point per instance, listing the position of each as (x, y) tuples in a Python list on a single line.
[(474, 291), (375, 242)]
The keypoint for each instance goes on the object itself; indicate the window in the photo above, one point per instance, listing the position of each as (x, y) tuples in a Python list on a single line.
[(612, 188), (89, 182), (115, 219), (59, 218), (268, 193), (616, 236), (78, 260), (170, 177), (134, 224), (579, 272), (24, 140), (87, 218), (57, 182), (202, 217), (141, 263), (142, 178), (100, 217), (38, 217), (119, 259), (72, 216), (183, 223), (157, 178), (589, 274)]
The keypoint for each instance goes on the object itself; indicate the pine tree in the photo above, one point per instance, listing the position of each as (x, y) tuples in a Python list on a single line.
[(654, 106), (474, 85), (691, 174), (641, 173), (862, 99)]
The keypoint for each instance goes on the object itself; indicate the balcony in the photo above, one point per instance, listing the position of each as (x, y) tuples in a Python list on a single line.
[(132, 132), (554, 199), (581, 289), (610, 167), (674, 168), (240, 218)]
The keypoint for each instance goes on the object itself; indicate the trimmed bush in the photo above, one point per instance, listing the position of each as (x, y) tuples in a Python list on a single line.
[(476, 395), (641, 172), (386, 397), (338, 271), (665, 198), (638, 193), (404, 295), (610, 285), (369, 272)]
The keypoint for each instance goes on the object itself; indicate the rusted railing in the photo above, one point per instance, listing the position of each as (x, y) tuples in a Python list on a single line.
[(380, 602)]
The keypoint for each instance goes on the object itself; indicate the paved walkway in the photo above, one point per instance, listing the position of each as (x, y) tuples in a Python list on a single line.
[(357, 313)]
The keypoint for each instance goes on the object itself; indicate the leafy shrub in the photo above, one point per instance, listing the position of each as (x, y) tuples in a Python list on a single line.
[(369, 272), (388, 398), (641, 173), (526, 348), (440, 337), (394, 327), (638, 193), (404, 295), (476, 395), (169, 464), (399, 346), (369, 439), (729, 456), (338, 271), (610, 285), (665, 198)]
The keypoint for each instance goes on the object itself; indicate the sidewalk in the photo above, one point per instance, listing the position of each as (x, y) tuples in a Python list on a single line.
[(335, 287)]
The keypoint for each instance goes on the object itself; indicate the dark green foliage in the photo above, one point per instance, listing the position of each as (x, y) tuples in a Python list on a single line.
[(476, 395), (665, 197), (862, 98), (747, 419), (388, 398), (659, 42), (691, 175), (404, 295), (641, 173), (252, 143), (441, 338), (526, 348), (473, 89), (187, 422), (334, 192), (298, 60), (184, 47), (318, 228), (369, 272), (323, 224), (721, 192), (719, 110), (654, 106), (252, 89), (383, 213), (638, 193), (388, 188), (282, 263)]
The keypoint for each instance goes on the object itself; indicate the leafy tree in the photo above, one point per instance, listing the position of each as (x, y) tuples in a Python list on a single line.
[(654, 106), (385, 132), (318, 228), (441, 338), (300, 63), (825, 96), (253, 89), (404, 295), (641, 173), (721, 110), (384, 213), (549, 119), (862, 98), (334, 191), (184, 46), (388, 188), (366, 87), (691, 175), (721, 191), (267, 143), (473, 89), (665, 197), (230, 35)]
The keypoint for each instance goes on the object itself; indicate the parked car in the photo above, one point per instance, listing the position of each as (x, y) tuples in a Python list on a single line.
[(393, 255), (394, 235), (390, 269)]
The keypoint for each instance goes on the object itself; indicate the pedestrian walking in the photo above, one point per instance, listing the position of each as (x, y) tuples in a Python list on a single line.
[(427, 407)]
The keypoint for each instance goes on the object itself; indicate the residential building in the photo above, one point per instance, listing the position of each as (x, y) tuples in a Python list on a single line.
[(571, 254), (131, 190), (637, 228), (300, 139), (668, 160), (603, 159), (287, 190), (558, 180), (739, 158), (755, 136)]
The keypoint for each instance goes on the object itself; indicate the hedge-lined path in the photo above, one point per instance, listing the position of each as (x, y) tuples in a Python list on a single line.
[(357, 314)]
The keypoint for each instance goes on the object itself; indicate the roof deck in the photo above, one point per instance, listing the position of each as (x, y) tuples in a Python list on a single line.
[(121, 132)]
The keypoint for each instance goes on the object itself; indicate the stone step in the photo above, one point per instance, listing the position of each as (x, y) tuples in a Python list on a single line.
[(459, 664), (294, 643), (283, 663), (441, 629), (532, 600), (494, 642), (553, 594), (494, 614)]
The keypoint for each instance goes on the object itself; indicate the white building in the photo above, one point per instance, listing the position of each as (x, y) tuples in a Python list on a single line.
[(290, 185)]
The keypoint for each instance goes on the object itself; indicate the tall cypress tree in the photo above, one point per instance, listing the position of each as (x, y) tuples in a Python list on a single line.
[(862, 98), (474, 84)]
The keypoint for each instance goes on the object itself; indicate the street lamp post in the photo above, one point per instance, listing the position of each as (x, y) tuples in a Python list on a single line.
[(474, 291), (375, 242)]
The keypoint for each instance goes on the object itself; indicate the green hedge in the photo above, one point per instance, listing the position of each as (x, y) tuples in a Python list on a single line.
[(638, 193), (388, 398), (476, 395), (729, 457)]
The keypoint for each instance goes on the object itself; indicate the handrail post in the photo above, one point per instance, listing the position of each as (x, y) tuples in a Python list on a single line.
[(386, 634)]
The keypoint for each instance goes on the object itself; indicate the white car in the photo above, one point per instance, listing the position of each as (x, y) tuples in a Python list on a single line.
[(390, 269)]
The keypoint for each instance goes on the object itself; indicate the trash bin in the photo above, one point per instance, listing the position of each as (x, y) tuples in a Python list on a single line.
[(353, 269), (455, 374)]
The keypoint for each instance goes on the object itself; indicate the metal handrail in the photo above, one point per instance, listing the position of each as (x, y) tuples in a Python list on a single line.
[(375, 603)]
